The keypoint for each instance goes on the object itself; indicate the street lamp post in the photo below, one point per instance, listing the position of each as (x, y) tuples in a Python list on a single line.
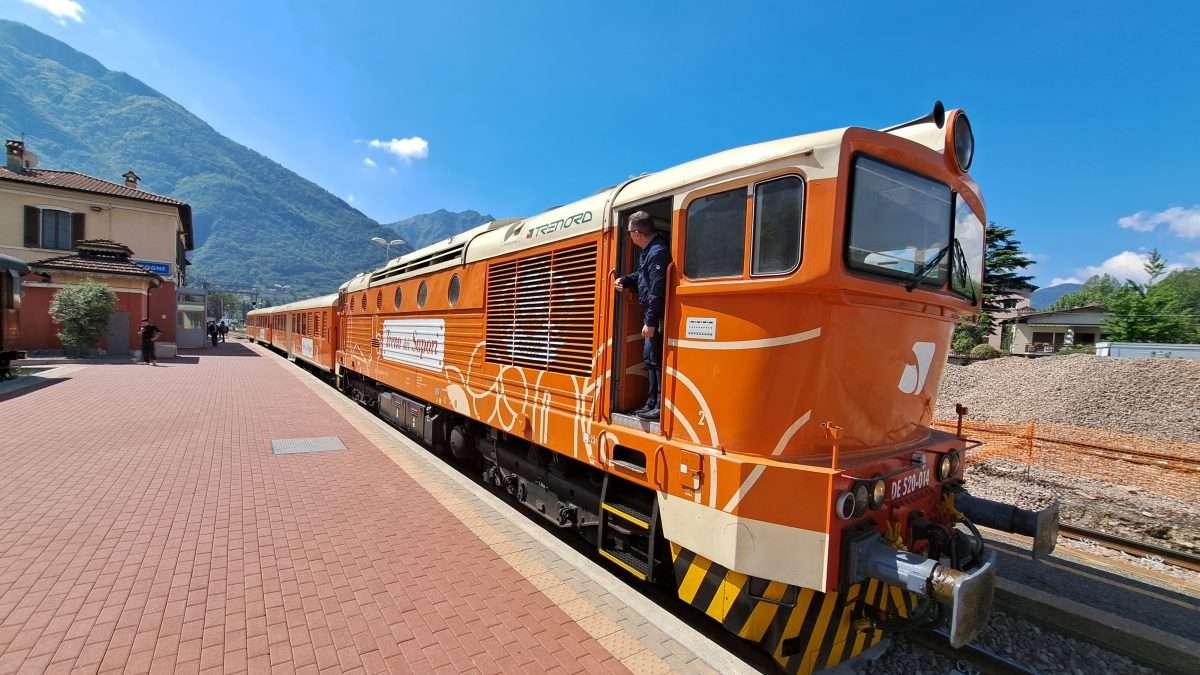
[(283, 289), (387, 246)]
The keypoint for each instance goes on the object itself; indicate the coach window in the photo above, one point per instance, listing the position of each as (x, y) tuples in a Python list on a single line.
[(422, 294), (379, 300), (398, 297), (778, 225), (715, 235), (453, 291)]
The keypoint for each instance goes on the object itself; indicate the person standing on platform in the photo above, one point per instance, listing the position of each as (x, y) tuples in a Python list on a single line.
[(223, 330), (212, 332), (650, 283), (149, 334)]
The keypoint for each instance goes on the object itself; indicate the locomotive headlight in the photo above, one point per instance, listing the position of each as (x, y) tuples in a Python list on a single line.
[(845, 506), (878, 493), (862, 498), (964, 142), (945, 467)]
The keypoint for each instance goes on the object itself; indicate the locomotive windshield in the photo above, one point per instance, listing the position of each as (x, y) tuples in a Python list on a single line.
[(899, 224), (966, 267)]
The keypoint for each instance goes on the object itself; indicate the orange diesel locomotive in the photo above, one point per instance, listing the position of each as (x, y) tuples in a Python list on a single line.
[(794, 490)]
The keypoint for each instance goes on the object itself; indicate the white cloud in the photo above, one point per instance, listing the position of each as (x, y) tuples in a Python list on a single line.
[(407, 149), (1124, 265), (391, 169), (1068, 280), (1183, 222), (350, 198), (369, 162), (1193, 256), (60, 9)]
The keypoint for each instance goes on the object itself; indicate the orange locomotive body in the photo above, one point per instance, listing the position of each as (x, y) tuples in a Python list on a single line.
[(794, 490)]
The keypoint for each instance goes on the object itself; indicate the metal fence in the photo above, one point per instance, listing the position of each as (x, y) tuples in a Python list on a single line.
[(1162, 466)]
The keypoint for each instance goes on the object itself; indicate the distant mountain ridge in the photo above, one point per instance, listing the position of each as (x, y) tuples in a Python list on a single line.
[(256, 222), (1044, 297), (427, 228)]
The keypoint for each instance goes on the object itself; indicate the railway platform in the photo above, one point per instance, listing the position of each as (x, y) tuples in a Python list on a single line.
[(226, 512)]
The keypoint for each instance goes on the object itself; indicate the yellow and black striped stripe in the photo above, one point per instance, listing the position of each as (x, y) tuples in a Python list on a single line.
[(805, 630)]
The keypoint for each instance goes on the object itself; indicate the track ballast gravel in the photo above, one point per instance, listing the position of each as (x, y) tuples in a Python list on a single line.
[(1148, 397)]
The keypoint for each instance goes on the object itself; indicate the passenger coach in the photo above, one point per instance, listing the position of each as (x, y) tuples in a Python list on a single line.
[(794, 490)]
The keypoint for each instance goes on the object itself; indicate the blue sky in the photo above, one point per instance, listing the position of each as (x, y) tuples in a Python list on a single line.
[(1085, 117)]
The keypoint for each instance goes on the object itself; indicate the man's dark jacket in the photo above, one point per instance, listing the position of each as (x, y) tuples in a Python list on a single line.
[(650, 280)]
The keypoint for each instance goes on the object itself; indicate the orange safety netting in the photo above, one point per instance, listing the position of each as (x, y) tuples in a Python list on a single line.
[(1163, 466)]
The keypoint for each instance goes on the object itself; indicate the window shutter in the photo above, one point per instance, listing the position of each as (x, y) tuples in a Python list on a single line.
[(77, 220), (33, 216)]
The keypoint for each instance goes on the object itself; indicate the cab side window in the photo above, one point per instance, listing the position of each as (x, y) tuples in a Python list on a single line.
[(778, 225), (715, 235)]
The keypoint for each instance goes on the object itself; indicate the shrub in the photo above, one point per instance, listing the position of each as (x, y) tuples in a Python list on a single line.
[(82, 313), (963, 342), (1077, 349), (985, 351)]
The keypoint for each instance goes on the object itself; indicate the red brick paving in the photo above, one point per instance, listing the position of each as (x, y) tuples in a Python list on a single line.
[(145, 526)]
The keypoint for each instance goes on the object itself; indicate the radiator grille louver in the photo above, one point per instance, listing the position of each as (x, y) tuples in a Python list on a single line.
[(541, 311)]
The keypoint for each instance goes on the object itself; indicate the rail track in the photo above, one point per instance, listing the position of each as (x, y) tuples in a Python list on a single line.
[(968, 658), (1179, 558)]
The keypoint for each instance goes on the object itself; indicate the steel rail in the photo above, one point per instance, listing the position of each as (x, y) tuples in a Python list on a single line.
[(1183, 559), (985, 660)]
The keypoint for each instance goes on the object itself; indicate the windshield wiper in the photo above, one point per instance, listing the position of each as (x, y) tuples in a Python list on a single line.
[(928, 267)]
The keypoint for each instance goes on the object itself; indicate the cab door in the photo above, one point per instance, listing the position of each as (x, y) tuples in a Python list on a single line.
[(732, 353), (628, 375)]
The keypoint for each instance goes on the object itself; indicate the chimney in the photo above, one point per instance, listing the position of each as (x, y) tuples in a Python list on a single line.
[(131, 179), (14, 153)]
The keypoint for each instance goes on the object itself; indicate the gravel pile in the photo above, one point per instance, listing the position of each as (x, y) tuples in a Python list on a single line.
[(1148, 397), (1021, 641)]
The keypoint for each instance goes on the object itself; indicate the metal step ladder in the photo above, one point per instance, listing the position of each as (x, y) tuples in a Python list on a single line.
[(623, 525)]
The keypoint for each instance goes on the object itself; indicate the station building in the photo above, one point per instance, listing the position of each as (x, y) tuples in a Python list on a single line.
[(70, 226)]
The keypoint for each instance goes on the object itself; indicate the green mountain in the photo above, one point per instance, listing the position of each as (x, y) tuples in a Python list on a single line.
[(427, 228), (256, 223), (1044, 297)]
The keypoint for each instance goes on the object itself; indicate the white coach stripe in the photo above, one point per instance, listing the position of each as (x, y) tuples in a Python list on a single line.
[(748, 344)]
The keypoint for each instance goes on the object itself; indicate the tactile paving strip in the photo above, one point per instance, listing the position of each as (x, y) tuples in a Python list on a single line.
[(292, 446)]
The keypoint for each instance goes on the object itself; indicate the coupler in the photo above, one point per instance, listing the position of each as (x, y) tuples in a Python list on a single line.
[(1041, 525), (966, 594)]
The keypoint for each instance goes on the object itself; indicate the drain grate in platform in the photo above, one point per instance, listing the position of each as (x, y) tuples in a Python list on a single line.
[(292, 446)]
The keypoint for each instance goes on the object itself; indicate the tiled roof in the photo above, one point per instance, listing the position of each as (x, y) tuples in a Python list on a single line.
[(98, 256), (72, 180)]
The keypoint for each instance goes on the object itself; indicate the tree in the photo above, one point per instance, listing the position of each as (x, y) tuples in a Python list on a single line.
[(1002, 285), (1095, 291), (1187, 284), (82, 313), (1150, 312)]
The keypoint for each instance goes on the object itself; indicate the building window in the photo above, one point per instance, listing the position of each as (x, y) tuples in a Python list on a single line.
[(715, 235), (56, 229)]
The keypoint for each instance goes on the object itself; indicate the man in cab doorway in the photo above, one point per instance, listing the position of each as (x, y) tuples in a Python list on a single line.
[(650, 283)]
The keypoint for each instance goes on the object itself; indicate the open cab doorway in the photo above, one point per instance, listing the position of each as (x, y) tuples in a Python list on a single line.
[(630, 384)]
